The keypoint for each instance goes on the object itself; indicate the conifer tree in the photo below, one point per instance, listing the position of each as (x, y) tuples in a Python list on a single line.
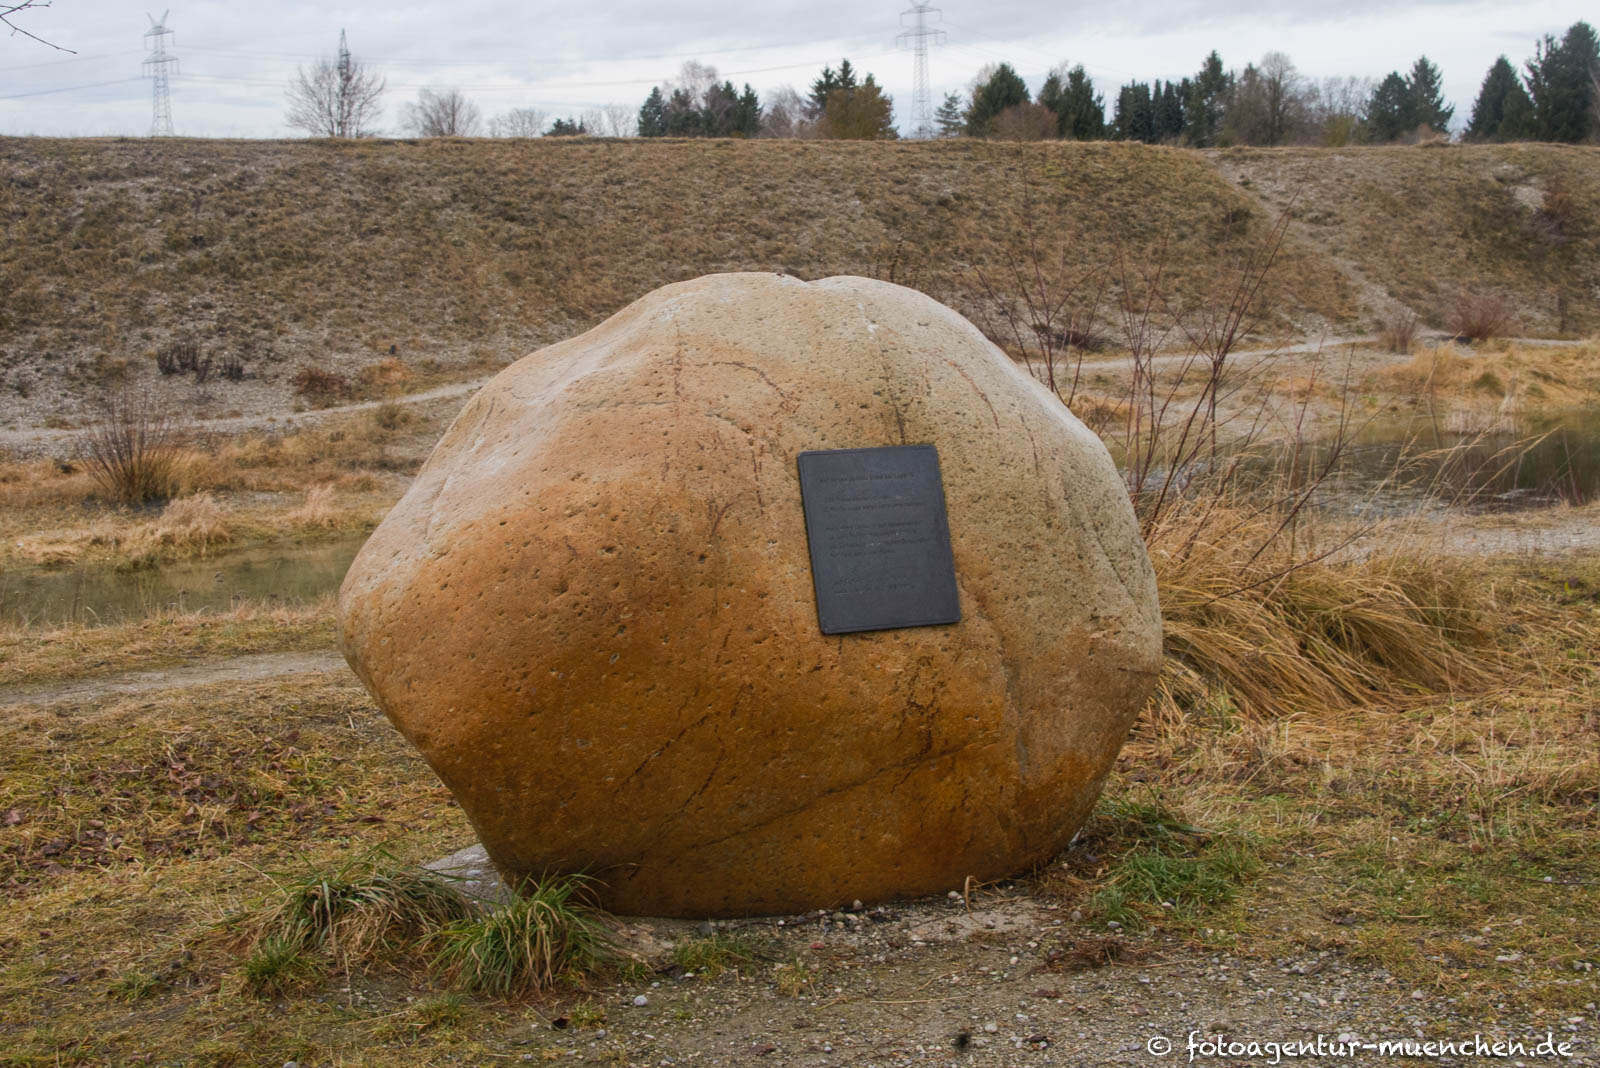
[(1080, 111), (858, 113), (1135, 114), (1207, 102), (947, 120), (1564, 85), (1502, 111), (1389, 114), (1003, 89), (1427, 102), (748, 114), (652, 115)]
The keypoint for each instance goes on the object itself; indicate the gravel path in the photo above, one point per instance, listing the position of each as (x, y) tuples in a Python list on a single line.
[(201, 673), (1013, 981)]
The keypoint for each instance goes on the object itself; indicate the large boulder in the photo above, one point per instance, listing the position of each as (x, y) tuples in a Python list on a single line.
[(593, 611)]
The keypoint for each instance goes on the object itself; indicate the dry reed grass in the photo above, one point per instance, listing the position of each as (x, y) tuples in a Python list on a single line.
[(318, 511), (1276, 634), (186, 525)]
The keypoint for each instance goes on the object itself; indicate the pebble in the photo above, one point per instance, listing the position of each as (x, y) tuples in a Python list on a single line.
[(640, 1001), (991, 1027)]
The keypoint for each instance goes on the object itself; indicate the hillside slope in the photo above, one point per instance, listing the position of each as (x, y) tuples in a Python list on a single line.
[(469, 253), (1426, 224)]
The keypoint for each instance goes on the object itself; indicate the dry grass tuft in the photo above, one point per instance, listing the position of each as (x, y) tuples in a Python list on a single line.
[(188, 524), (1399, 333), (318, 512), (357, 911), (1274, 638), (386, 377), (321, 388)]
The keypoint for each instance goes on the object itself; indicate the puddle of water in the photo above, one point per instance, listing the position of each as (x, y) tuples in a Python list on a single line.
[(1404, 466), (284, 574), (1413, 465)]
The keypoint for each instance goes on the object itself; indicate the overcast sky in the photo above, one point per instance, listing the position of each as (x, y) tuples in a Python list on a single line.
[(235, 59)]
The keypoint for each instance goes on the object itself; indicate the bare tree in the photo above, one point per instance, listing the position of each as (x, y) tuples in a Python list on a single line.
[(1268, 104), (618, 120), (335, 100), (1281, 89), (694, 78), (518, 122), (784, 114), (8, 8), (443, 114), (1337, 106)]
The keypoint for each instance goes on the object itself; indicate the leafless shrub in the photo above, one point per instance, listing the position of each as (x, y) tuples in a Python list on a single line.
[(1043, 309), (330, 101), (1477, 316), (518, 122), (133, 450), (1559, 209), (447, 113), (320, 388), (178, 357), (1399, 333)]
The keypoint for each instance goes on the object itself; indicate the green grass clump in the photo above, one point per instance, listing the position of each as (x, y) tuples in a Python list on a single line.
[(275, 966), (134, 986), (710, 957), (439, 1012), (1170, 867), (360, 908), (543, 935)]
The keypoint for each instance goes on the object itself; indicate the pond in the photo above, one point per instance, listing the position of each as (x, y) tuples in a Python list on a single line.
[(286, 573), (1407, 466), (1414, 465)]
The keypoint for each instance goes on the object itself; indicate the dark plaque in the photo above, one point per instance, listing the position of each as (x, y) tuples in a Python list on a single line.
[(880, 541)]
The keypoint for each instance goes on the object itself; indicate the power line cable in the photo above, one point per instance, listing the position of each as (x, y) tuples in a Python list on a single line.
[(75, 59), (70, 88), (420, 62)]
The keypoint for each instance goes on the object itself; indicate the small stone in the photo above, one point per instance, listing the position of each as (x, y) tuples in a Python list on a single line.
[(1075, 915), (1417, 995), (954, 895), (640, 1001), (991, 1027), (1114, 925), (856, 905)]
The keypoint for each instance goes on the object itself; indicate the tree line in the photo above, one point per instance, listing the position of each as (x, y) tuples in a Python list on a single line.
[(1554, 97)]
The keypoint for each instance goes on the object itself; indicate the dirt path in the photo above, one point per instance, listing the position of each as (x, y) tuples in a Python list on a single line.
[(1006, 979), (200, 673), (36, 440)]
